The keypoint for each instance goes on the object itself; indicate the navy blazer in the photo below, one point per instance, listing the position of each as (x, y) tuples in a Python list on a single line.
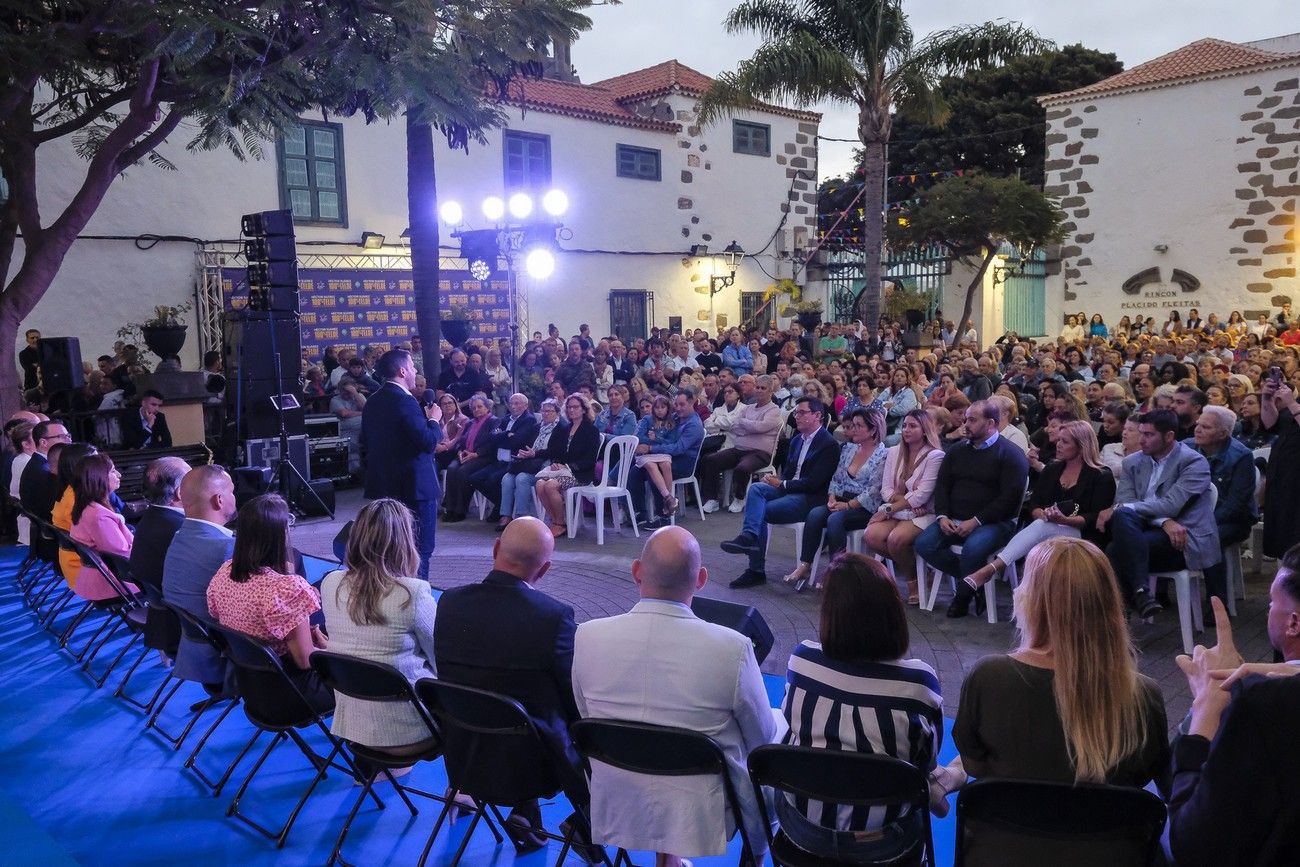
[(520, 436), (38, 489), (134, 435), (153, 536), (397, 443), (504, 636), (818, 467)]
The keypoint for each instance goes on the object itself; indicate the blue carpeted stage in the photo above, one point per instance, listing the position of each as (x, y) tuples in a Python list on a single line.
[(84, 783)]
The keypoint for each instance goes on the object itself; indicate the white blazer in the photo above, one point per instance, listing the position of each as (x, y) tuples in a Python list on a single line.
[(662, 665), (917, 488)]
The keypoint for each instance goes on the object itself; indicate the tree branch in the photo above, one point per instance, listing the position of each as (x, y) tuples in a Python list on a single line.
[(92, 113), (137, 152)]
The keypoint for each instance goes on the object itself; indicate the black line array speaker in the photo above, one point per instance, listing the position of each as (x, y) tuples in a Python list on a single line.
[(252, 342), (745, 619), (60, 360)]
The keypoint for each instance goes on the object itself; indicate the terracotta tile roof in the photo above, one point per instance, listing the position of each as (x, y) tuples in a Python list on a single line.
[(673, 76), (1205, 57), (586, 101)]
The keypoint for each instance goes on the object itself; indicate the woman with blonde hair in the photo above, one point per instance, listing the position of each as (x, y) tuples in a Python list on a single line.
[(378, 610), (1068, 704), (907, 493), (1069, 494)]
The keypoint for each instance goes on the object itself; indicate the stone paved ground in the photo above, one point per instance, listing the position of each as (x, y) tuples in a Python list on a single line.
[(597, 582)]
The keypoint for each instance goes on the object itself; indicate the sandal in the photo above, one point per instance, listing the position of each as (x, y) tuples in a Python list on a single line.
[(670, 505), (558, 530), (794, 577)]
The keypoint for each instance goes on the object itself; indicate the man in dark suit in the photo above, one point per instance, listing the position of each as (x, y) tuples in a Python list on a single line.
[(514, 432), (153, 536), (38, 488), (1234, 799), (805, 478), (146, 427), (29, 359), (504, 636), (397, 442)]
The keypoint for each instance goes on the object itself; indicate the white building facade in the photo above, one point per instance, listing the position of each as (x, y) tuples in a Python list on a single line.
[(1179, 180), (645, 184)]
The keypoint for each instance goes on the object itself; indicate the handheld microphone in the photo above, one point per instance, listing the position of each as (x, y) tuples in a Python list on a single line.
[(429, 398)]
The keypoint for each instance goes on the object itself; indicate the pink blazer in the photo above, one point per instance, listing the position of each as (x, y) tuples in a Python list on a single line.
[(918, 488), (105, 531)]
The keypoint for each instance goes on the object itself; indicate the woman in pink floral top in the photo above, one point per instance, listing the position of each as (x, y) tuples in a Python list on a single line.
[(254, 593)]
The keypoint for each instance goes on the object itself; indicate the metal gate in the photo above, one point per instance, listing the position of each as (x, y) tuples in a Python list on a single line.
[(921, 269), (753, 312), (1024, 292), (630, 314)]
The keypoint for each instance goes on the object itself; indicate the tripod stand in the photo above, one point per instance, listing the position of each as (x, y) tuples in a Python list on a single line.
[(285, 471)]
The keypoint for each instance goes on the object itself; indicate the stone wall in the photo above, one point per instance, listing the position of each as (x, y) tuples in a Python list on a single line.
[(1270, 185)]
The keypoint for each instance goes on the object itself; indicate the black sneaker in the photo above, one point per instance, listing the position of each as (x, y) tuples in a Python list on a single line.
[(1144, 605), (748, 578), (961, 600), (745, 543)]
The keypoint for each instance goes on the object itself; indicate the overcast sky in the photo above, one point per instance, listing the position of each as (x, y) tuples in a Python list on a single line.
[(641, 33)]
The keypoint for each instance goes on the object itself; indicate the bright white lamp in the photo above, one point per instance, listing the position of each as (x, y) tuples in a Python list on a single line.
[(493, 208), (539, 263), (451, 213), (555, 203), (521, 205)]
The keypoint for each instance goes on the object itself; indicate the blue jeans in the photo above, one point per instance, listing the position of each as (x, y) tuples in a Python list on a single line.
[(976, 549), (894, 840), (1137, 548), (517, 487), (766, 504), (426, 528), (837, 526)]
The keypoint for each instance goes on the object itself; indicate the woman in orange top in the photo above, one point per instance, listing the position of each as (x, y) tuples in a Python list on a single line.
[(65, 462)]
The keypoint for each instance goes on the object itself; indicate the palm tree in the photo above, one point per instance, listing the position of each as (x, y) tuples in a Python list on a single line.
[(862, 52)]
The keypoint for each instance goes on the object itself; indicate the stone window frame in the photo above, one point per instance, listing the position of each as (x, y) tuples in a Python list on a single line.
[(637, 153), (743, 138), (315, 164), (521, 177)]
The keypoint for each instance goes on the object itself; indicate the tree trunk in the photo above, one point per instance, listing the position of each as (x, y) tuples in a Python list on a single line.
[(867, 305), (422, 207), (975, 283)]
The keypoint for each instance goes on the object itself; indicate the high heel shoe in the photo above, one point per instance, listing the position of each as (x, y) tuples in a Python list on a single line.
[(795, 578)]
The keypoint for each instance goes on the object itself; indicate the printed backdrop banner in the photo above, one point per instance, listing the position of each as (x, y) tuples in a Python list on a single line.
[(367, 307)]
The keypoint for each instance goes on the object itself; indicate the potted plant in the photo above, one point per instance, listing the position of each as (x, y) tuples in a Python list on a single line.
[(808, 313), (455, 322), (163, 333)]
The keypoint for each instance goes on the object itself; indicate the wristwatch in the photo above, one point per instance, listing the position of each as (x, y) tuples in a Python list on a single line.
[(889, 508)]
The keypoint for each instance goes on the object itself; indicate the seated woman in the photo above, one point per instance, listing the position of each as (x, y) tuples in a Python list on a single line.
[(521, 475), (1068, 705), (571, 461), (860, 671), (377, 611), (65, 463), (717, 427), (1113, 454), (256, 593), (453, 422), (854, 492), (1068, 495), (472, 455), (347, 405), (907, 493), (657, 428), (96, 525)]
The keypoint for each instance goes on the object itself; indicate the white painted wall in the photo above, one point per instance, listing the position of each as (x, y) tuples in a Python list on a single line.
[(105, 283)]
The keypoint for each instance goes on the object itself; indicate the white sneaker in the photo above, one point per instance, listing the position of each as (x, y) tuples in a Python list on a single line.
[(711, 506), (737, 506)]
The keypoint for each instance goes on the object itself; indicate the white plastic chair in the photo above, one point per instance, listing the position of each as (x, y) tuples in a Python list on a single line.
[(625, 446), (931, 576), (729, 475), (1187, 590), (688, 481)]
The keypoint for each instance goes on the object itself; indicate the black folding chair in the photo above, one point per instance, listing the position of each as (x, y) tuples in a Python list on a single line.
[(374, 681), (1032, 822), (274, 704), (477, 725), (126, 610), (661, 751), (199, 632), (838, 777)]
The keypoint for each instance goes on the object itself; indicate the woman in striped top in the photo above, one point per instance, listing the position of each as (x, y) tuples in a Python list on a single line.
[(856, 691)]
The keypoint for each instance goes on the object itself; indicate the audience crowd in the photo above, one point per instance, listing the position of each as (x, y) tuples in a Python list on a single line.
[(1096, 460)]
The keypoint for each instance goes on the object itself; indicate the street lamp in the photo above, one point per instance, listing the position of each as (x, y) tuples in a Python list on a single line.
[(732, 254)]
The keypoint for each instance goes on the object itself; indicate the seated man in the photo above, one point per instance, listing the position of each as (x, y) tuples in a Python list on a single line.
[(683, 448), (37, 486), (146, 427), (153, 536), (503, 636), (1234, 799), (1232, 470), (1163, 517), (197, 551), (516, 431), (754, 434), (660, 664), (977, 499), (802, 485)]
